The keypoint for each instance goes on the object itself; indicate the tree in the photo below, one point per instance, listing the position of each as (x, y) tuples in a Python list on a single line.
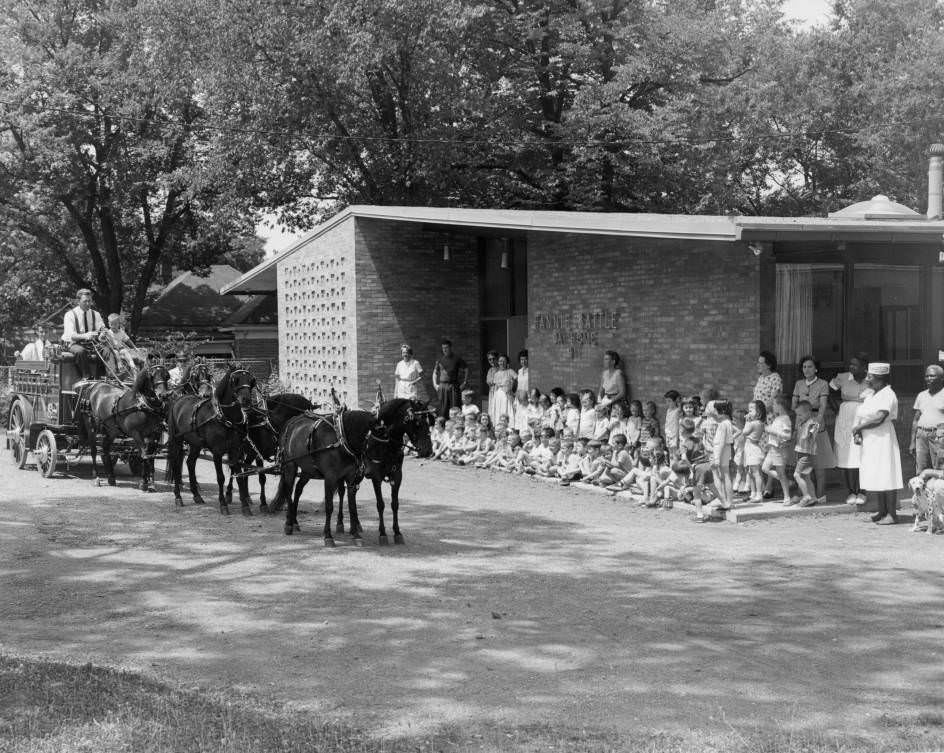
[(101, 149)]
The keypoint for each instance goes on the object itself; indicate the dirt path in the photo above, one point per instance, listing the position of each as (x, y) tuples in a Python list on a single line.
[(513, 601)]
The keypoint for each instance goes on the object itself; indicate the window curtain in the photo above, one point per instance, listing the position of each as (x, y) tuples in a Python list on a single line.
[(794, 333)]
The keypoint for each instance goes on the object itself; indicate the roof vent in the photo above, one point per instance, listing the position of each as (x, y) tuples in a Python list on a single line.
[(877, 208)]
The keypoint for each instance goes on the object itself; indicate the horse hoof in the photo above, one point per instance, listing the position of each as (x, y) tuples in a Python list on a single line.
[(398, 539), (199, 501), (246, 511), (329, 543), (178, 502), (383, 540), (289, 529), (224, 510)]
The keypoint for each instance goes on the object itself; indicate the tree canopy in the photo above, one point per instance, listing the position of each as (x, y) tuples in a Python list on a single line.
[(135, 133)]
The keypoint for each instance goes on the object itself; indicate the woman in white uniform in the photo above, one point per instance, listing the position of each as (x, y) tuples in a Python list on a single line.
[(880, 455), (852, 391)]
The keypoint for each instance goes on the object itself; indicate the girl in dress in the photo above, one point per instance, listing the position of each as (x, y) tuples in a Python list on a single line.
[(572, 413), (753, 434), (588, 415), (723, 453), (534, 413), (492, 358), (554, 416), (740, 482), (438, 434), (779, 434), (522, 391), (503, 403), (649, 426), (633, 427)]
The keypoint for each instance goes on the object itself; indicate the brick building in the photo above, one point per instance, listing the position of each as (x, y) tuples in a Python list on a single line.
[(685, 300)]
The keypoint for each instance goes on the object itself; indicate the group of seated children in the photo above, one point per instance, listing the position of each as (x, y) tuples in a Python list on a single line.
[(704, 452)]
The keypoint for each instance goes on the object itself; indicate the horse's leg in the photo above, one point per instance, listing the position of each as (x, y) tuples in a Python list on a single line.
[(329, 487), (339, 528), (175, 461), (192, 454), (285, 492), (378, 493), (107, 440), (263, 507), (242, 484), (90, 438), (141, 443), (303, 480), (147, 469), (220, 482), (395, 480), (352, 513)]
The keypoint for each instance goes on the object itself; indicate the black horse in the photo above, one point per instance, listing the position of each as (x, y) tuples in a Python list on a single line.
[(403, 419), (329, 447), (261, 445), (196, 379), (219, 424), (115, 411)]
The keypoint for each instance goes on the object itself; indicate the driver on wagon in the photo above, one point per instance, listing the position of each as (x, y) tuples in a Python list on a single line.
[(177, 373), (80, 326)]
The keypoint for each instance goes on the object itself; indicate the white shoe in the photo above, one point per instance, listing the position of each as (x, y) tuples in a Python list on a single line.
[(861, 499), (852, 500)]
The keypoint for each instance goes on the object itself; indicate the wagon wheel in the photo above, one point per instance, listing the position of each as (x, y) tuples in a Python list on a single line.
[(21, 416), (46, 453)]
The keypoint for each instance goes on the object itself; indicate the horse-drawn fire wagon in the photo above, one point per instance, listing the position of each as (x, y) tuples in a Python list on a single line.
[(43, 424)]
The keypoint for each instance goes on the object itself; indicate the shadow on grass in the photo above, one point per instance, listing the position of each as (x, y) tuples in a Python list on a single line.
[(496, 614)]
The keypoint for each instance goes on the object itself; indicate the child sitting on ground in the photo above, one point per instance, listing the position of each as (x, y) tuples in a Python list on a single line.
[(619, 463), (438, 434), (594, 464), (660, 475), (542, 456), (572, 469)]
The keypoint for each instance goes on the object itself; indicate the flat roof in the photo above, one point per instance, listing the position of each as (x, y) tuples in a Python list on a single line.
[(723, 228)]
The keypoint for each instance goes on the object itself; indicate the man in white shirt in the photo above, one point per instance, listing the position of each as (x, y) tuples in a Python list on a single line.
[(928, 415), (34, 351), (177, 373), (80, 326)]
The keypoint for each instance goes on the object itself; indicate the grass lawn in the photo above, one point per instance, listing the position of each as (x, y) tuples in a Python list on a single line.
[(49, 707)]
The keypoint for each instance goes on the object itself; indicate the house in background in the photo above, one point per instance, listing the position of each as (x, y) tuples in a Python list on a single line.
[(242, 327)]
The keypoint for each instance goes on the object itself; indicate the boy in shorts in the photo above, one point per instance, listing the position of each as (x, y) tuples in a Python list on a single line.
[(804, 451)]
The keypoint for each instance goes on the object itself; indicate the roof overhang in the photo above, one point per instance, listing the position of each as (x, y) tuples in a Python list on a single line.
[(774, 229), (264, 277)]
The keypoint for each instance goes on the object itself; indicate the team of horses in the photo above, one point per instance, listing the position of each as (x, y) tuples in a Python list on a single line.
[(284, 434)]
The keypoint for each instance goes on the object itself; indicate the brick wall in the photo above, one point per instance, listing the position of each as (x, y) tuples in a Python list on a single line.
[(406, 293), (317, 323), (681, 314)]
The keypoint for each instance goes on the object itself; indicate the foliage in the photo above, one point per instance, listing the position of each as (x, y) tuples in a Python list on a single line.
[(100, 147)]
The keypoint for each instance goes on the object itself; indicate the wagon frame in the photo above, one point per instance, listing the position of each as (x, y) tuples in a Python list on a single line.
[(43, 419)]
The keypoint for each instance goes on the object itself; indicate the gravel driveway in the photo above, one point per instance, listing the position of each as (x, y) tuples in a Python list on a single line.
[(512, 601)]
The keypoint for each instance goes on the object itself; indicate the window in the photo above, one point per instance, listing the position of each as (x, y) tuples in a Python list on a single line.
[(836, 310)]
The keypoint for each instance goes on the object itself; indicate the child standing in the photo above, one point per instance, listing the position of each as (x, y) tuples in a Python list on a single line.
[(649, 427), (588, 415), (805, 449), (753, 434), (468, 407), (572, 413), (779, 433), (634, 425), (723, 453), (672, 415), (740, 483)]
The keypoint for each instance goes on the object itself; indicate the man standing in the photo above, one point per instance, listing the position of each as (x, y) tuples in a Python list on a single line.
[(34, 351), (449, 378), (80, 326), (928, 414)]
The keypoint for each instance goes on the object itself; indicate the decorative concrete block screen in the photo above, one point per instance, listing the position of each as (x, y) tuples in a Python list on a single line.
[(317, 315)]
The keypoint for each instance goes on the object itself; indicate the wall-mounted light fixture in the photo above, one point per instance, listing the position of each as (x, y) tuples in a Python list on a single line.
[(504, 255), (756, 248), (447, 254)]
